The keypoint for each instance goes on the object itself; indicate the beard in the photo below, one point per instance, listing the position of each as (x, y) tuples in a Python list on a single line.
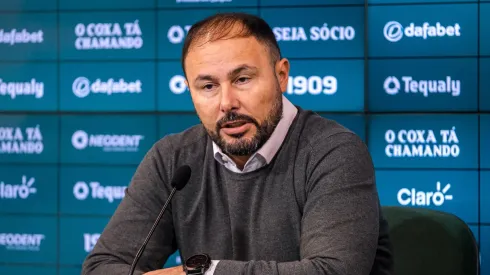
[(241, 146)]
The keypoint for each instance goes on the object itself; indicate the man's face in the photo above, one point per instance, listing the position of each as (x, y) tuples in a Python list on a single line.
[(236, 92)]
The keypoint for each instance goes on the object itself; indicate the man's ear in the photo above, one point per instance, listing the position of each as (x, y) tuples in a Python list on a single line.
[(282, 73)]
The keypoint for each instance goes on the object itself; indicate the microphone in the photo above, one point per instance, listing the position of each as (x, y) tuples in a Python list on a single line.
[(180, 179)]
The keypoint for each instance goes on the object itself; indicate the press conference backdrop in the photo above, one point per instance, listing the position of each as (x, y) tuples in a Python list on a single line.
[(86, 88)]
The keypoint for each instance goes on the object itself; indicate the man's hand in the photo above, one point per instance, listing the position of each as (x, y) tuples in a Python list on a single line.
[(177, 270)]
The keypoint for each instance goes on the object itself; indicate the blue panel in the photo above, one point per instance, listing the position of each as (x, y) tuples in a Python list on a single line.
[(206, 3), (78, 237), (19, 269), (454, 192), (107, 86), (172, 124), (424, 141), (28, 189), (93, 190), (318, 32), (355, 123), (265, 3), (416, 1), (27, 5), (107, 139), (425, 30), (28, 239), (423, 85), (485, 29), (485, 196), (70, 270), (107, 35), (174, 25), (105, 5), (29, 138), (173, 94), (484, 84), (327, 85), (28, 36), (28, 87), (484, 141)]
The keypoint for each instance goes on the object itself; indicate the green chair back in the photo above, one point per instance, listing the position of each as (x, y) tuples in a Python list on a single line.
[(430, 242)]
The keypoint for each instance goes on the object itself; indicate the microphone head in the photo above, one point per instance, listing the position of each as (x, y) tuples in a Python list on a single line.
[(181, 177)]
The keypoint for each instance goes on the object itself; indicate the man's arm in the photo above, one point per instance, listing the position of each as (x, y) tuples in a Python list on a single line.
[(131, 222), (339, 230)]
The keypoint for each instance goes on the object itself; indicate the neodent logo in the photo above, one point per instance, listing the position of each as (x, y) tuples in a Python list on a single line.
[(313, 85), (109, 143), (394, 31), (449, 86), (14, 36), (424, 198), (21, 242), (18, 191), (28, 88), (108, 36), (82, 190), (82, 87)]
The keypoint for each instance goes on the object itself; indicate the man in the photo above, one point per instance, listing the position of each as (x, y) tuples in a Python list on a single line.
[(274, 189)]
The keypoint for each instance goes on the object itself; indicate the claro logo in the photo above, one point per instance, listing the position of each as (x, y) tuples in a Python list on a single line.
[(394, 31), (18, 191), (424, 198)]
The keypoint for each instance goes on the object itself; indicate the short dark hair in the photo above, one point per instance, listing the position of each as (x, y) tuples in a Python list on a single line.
[(220, 25)]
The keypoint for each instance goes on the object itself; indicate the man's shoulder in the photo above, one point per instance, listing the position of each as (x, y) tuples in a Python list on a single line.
[(320, 130)]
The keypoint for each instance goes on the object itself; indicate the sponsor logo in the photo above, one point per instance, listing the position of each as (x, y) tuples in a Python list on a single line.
[(176, 33), (421, 143), (313, 85), (177, 85), (21, 191), (14, 140), (89, 241), (109, 143), (315, 33), (82, 190), (14, 36), (108, 36), (424, 198), (82, 87), (394, 31), (15, 89), (449, 86), (21, 242)]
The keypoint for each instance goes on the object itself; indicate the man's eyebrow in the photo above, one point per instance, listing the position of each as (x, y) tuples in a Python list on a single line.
[(203, 77), (240, 68), (231, 74)]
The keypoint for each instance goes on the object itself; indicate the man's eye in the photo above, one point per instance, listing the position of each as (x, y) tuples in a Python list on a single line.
[(242, 80), (207, 87)]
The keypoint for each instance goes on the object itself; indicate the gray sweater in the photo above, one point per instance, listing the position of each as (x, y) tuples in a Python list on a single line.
[(313, 210)]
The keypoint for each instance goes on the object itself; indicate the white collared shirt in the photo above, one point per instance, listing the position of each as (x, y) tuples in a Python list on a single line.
[(265, 154)]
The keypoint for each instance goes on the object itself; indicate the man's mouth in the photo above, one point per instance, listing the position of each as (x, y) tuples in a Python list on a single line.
[(234, 124)]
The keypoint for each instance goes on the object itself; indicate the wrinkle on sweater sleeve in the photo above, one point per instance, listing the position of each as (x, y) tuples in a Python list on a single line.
[(340, 225), (128, 227)]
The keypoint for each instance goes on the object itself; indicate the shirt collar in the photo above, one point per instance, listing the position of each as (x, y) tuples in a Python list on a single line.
[(270, 148)]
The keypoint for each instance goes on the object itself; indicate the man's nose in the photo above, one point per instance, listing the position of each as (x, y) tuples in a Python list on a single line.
[(229, 99)]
